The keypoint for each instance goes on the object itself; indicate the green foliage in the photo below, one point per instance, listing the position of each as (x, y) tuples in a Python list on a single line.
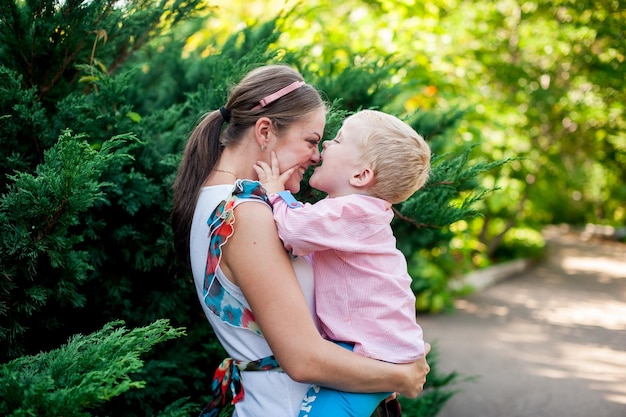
[(450, 177), (39, 268), (367, 82), (553, 73), (81, 375), (520, 243), (22, 116), (62, 34)]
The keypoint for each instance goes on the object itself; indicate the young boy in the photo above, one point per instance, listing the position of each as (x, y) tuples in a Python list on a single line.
[(363, 296)]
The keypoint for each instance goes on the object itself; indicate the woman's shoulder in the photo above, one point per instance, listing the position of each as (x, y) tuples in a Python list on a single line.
[(256, 213)]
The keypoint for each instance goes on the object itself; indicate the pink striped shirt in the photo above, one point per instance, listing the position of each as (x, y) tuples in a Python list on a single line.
[(362, 287)]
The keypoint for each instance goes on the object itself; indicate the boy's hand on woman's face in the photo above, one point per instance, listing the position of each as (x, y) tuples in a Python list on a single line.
[(270, 176)]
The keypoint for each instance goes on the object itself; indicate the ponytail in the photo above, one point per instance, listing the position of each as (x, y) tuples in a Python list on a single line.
[(201, 153)]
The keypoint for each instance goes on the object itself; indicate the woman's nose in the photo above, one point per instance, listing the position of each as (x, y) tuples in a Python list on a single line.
[(315, 158)]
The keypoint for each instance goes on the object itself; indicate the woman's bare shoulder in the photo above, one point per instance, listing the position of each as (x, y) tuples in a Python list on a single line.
[(254, 223), (254, 212)]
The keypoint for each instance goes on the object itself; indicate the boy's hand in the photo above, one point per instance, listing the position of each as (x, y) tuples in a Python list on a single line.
[(270, 177)]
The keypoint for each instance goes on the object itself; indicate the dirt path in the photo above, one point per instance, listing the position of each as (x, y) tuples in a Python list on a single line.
[(550, 342)]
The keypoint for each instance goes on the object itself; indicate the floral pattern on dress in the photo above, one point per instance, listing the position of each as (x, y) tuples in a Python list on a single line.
[(216, 297)]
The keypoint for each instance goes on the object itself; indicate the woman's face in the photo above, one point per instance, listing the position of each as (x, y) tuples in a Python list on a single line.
[(299, 146)]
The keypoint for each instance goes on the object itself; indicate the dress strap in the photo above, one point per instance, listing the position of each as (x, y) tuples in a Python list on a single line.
[(227, 382)]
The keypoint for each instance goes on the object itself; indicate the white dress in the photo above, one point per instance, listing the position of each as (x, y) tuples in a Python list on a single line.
[(267, 393)]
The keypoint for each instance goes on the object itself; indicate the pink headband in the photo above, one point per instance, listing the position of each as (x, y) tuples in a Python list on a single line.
[(280, 93)]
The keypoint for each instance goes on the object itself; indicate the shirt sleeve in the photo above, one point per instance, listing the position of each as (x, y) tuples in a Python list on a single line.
[(306, 228)]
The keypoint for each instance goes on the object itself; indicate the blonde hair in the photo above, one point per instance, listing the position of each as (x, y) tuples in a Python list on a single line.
[(397, 154)]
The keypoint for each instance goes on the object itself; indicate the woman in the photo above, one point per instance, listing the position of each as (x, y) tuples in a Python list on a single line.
[(260, 309)]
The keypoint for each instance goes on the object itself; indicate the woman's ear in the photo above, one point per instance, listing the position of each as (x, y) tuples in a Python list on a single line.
[(363, 178), (262, 131)]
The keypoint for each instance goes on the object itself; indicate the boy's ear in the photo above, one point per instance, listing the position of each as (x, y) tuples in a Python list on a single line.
[(363, 178)]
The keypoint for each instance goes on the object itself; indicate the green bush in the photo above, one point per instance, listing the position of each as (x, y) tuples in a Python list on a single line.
[(76, 378), (521, 242)]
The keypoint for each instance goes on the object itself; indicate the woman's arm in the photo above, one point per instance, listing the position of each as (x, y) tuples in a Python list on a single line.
[(255, 260)]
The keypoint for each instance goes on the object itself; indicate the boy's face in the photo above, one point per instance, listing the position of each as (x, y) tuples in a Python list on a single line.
[(340, 160)]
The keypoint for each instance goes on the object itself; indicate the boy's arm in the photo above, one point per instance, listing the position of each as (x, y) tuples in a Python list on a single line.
[(306, 228)]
